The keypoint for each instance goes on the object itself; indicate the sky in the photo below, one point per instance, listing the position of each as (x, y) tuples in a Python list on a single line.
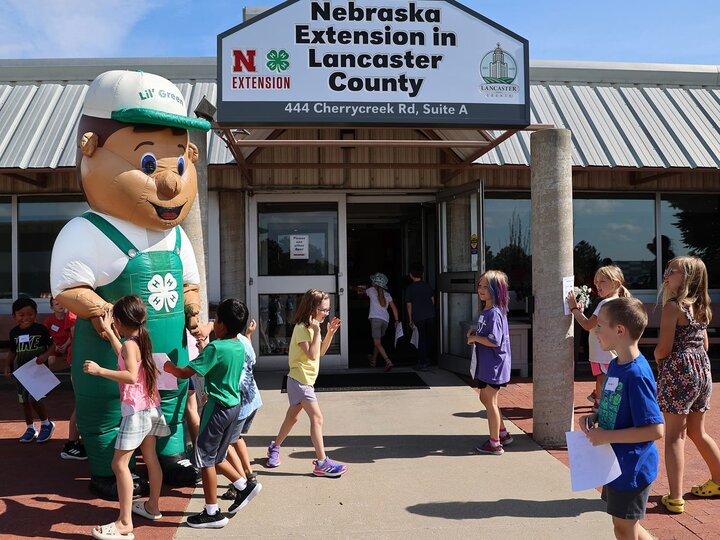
[(657, 31)]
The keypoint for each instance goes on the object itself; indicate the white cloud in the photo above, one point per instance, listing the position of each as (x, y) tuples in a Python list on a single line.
[(69, 28), (628, 227)]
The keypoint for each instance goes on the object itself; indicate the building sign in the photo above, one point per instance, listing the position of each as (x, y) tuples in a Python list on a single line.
[(372, 62)]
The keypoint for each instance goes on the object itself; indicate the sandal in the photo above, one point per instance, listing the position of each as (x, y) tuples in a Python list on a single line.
[(674, 506), (110, 532), (708, 489), (371, 361), (389, 365), (138, 507)]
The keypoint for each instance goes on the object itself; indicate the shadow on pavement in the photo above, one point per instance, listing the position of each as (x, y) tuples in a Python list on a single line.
[(508, 508), (372, 448)]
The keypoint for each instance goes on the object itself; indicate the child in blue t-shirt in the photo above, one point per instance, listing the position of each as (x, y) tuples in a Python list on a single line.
[(629, 417)]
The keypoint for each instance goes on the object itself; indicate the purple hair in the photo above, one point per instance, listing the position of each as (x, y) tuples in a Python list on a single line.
[(498, 286)]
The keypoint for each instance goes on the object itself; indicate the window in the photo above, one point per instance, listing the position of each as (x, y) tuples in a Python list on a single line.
[(689, 225), (276, 322), (6, 247), (615, 229), (297, 240), (39, 222), (507, 243)]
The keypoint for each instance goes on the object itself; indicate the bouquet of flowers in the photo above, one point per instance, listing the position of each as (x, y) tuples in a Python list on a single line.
[(582, 295)]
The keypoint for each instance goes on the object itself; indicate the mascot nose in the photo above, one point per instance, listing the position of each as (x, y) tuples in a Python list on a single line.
[(168, 184)]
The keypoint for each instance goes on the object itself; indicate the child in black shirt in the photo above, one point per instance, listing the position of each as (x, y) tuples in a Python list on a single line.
[(29, 340)]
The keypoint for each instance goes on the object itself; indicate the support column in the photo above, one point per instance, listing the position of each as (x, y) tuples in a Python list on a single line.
[(552, 259), (195, 224)]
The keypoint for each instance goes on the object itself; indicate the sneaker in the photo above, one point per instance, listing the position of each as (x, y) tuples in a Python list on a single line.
[(488, 448), (74, 450), (46, 432), (506, 439), (592, 398), (230, 494), (328, 468), (29, 436), (273, 455), (245, 496), (203, 520)]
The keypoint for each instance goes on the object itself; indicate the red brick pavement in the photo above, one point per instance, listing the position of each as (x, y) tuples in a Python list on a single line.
[(702, 516), (44, 496)]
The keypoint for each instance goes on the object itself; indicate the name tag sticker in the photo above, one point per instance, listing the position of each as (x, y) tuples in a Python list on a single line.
[(25, 338), (611, 384), (54, 327)]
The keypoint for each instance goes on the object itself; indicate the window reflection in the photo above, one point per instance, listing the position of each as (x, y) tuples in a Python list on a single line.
[(297, 240), (618, 230), (39, 222), (277, 312), (5, 248), (689, 225), (507, 243)]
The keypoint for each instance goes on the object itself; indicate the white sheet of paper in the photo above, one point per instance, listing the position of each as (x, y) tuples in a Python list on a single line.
[(166, 381), (36, 378), (568, 282), (590, 466), (415, 337), (398, 333)]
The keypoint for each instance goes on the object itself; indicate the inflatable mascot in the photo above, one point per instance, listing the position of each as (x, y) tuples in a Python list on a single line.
[(137, 172)]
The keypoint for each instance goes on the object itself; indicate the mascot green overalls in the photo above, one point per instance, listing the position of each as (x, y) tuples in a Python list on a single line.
[(137, 172)]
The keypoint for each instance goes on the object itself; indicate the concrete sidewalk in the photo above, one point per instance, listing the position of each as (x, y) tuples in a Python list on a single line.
[(413, 473)]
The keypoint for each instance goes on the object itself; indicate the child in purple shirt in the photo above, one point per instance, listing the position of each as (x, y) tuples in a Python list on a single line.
[(491, 342)]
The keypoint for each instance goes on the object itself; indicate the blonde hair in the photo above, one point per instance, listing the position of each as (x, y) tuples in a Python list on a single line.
[(693, 290), (615, 274)]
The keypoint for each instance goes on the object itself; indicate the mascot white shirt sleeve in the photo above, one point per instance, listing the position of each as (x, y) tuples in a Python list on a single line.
[(84, 256)]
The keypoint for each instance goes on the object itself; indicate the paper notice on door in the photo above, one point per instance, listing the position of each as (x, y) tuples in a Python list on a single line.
[(590, 466), (37, 379), (568, 282), (165, 381)]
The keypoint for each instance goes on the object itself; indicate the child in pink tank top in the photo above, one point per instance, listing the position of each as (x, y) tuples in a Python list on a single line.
[(142, 420)]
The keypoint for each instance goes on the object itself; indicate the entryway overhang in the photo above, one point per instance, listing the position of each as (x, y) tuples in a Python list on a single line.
[(460, 148)]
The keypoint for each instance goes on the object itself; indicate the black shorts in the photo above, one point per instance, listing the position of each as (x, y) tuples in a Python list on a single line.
[(483, 384), (218, 429), (626, 504)]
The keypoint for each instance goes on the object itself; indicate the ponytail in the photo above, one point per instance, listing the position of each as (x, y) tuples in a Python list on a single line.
[(147, 362), (381, 295)]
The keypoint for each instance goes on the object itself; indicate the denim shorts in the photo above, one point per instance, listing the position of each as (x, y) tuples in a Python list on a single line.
[(378, 327)]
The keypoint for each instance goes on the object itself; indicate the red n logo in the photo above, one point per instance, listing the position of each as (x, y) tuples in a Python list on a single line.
[(244, 59)]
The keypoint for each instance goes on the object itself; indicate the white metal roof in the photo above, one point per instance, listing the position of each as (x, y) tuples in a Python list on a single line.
[(621, 115)]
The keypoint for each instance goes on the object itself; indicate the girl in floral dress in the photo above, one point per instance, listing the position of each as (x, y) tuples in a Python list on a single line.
[(685, 381)]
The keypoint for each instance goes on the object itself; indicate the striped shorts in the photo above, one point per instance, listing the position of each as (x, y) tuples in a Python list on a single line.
[(135, 427)]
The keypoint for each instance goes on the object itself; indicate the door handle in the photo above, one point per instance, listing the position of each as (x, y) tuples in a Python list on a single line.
[(341, 291)]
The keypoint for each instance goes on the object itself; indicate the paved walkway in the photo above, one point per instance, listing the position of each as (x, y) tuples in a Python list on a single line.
[(413, 474)]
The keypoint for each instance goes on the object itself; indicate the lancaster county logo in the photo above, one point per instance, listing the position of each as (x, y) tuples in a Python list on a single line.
[(498, 69)]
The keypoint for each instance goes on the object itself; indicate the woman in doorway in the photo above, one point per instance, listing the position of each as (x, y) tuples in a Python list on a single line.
[(379, 317)]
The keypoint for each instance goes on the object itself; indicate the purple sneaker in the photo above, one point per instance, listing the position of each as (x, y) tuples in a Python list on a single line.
[(488, 448), (328, 468), (273, 455), (506, 439)]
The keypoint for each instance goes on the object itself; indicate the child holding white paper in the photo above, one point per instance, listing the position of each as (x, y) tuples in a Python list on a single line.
[(629, 418), (29, 340), (142, 419)]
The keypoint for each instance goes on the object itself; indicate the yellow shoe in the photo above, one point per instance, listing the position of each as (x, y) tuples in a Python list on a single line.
[(708, 489), (674, 506)]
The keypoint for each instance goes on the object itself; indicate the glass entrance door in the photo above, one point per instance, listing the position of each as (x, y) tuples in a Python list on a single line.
[(461, 256), (295, 245)]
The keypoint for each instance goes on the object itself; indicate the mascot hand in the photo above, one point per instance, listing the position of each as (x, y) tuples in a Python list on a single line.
[(83, 302)]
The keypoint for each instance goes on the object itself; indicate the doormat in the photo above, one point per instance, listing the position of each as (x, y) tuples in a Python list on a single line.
[(346, 382)]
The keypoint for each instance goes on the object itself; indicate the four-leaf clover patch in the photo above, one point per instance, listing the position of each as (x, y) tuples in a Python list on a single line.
[(164, 292), (278, 60)]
